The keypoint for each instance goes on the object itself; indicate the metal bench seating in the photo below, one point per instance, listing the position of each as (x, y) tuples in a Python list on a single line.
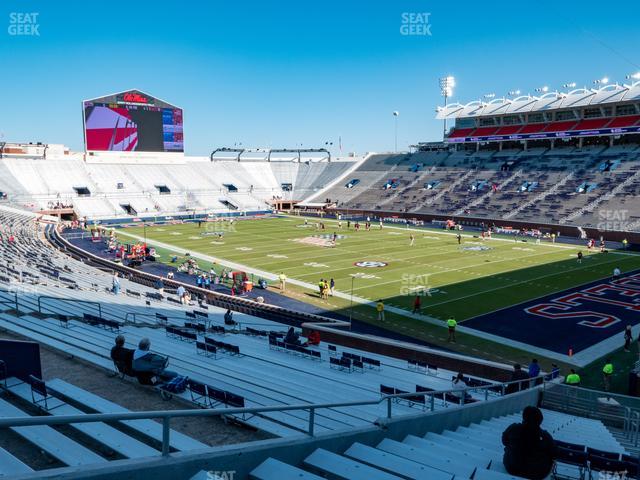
[(97, 321), (181, 334), (206, 349), (225, 347), (208, 396)]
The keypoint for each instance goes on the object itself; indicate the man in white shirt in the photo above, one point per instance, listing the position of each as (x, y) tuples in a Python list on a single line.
[(180, 292), (458, 386)]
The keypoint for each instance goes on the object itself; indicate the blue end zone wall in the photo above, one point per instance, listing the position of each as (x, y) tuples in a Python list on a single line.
[(162, 219), (575, 319)]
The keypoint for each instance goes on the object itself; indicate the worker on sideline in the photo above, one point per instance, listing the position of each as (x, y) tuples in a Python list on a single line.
[(572, 379), (380, 309), (451, 325), (607, 373), (283, 281)]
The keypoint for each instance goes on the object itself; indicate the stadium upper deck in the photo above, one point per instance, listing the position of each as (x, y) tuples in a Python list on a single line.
[(611, 111)]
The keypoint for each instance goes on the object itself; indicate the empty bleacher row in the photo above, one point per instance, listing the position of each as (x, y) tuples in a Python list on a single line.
[(85, 444), (472, 451)]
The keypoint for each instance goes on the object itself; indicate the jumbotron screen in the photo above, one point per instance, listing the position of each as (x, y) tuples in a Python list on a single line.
[(132, 122)]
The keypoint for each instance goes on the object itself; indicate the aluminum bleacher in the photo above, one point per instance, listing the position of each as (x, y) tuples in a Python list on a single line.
[(444, 183), (473, 451)]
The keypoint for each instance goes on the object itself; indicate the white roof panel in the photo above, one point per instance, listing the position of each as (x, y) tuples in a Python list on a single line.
[(522, 104), (609, 94), (633, 94), (550, 101), (473, 109), (497, 107), (578, 98)]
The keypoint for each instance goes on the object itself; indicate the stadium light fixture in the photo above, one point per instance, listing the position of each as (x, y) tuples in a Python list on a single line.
[(544, 89), (396, 114), (447, 84), (489, 96), (601, 81), (633, 76), (569, 85), (514, 93)]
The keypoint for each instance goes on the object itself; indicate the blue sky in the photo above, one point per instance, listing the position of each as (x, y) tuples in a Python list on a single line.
[(282, 74)]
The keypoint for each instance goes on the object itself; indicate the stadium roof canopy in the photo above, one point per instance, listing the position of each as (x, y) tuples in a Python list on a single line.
[(132, 97), (578, 98)]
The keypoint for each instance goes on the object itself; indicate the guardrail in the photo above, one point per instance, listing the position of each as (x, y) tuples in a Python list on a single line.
[(167, 415), (61, 299), (618, 411), (10, 300)]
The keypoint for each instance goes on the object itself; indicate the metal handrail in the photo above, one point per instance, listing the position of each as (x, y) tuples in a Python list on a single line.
[(61, 299), (135, 315), (13, 302), (167, 415)]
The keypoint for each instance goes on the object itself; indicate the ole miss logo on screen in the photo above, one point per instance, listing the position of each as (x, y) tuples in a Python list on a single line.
[(134, 97)]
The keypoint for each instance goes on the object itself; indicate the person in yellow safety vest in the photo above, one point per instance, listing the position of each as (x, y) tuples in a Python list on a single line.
[(573, 378), (380, 309), (607, 373), (452, 324), (625, 244), (283, 281)]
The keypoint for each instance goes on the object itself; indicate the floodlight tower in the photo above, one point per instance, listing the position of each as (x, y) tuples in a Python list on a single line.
[(447, 85), (396, 114)]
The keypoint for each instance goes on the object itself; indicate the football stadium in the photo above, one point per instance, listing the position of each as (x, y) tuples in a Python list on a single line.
[(277, 281)]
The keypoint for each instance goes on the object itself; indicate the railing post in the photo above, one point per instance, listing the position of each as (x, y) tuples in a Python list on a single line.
[(486, 394), (100, 310), (15, 294), (166, 432), (432, 403), (389, 400), (39, 305), (312, 418)]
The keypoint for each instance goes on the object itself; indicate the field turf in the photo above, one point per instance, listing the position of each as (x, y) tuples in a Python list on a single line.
[(464, 280)]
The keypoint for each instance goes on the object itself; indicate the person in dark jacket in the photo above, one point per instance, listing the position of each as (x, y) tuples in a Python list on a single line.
[(292, 337), (122, 357), (518, 374), (150, 367), (228, 318), (534, 371), (528, 449)]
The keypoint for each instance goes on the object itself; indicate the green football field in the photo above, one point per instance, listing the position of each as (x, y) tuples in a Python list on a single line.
[(463, 280)]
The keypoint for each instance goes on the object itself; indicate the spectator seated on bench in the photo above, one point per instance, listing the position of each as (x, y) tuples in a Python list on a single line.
[(228, 318), (150, 368), (313, 338), (292, 338), (529, 450), (122, 357)]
